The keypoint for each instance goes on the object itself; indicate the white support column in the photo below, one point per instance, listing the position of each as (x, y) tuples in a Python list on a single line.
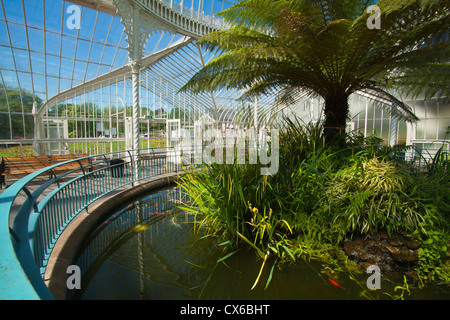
[(138, 27), (255, 115), (135, 114), (393, 125)]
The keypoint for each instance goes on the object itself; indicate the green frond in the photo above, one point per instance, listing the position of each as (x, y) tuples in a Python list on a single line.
[(325, 47), (254, 14), (404, 111)]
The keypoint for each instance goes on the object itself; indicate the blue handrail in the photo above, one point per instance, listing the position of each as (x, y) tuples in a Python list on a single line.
[(26, 244)]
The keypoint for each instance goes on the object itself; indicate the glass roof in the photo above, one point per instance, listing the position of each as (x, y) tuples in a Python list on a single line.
[(41, 55)]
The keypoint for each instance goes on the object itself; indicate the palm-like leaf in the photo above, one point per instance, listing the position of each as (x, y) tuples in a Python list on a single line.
[(325, 48)]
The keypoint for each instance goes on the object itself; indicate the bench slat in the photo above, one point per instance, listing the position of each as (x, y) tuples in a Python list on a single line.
[(22, 166)]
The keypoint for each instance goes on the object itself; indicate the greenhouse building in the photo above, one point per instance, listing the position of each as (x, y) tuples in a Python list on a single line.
[(93, 112)]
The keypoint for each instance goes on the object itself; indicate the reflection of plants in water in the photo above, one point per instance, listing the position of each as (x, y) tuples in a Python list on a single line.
[(269, 238)]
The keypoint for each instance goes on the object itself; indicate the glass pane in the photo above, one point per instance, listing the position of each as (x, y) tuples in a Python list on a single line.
[(25, 81), (10, 78), (431, 128), (91, 72), (52, 86), (402, 132), (27, 101), (3, 100), (88, 17), (6, 61), (115, 33), (71, 16), (13, 11), (103, 69), (34, 13), (29, 126), (68, 47), (22, 60), (420, 132), (36, 38), (52, 66), (444, 128), (18, 36), (39, 83), (53, 14), (103, 24), (64, 84), (419, 109), (108, 55), (4, 39), (96, 52), (5, 131), (444, 107), (431, 108), (17, 126), (38, 62), (66, 68), (52, 43), (83, 48), (121, 58), (79, 70)]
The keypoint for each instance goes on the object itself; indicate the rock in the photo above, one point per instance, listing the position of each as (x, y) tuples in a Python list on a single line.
[(391, 254)]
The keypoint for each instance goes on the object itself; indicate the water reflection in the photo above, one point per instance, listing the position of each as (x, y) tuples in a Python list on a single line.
[(145, 250), (148, 250)]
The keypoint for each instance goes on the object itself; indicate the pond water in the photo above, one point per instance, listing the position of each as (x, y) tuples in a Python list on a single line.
[(148, 249)]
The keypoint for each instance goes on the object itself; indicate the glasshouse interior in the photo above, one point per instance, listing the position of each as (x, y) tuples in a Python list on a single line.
[(106, 111)]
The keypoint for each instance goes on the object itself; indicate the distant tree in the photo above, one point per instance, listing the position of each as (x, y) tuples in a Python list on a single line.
[(16, 106)]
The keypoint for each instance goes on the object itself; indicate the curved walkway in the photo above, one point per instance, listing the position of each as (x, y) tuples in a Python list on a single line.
[(37, 209), (65, 251)]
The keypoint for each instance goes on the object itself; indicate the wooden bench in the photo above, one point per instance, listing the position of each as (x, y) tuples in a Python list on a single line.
[(13, 168)]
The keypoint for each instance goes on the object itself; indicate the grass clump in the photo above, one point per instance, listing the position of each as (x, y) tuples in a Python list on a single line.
[(321, 196)]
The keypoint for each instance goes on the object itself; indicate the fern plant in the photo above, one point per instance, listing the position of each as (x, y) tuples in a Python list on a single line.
[(324, 48), (374, 194)]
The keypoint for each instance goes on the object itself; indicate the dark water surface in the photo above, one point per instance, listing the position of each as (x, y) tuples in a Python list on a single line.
[(149, 250)]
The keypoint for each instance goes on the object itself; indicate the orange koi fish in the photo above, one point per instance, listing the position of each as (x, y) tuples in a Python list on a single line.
[(334, 283)]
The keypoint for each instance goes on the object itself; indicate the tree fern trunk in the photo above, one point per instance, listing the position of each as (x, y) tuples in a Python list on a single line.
[(336, 113)]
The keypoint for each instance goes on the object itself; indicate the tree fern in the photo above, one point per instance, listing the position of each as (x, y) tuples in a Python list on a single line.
[(325, 48)]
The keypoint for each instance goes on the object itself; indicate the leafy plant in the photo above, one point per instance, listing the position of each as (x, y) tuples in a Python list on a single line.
[(269, 238), (321, 196), (371, 195), (325, 48), (403, 288)]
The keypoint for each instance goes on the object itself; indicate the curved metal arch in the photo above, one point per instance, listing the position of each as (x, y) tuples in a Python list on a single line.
[(125, 70)]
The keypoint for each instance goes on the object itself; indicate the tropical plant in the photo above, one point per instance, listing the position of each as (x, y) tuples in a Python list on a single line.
[(325, 48), (372, 195)]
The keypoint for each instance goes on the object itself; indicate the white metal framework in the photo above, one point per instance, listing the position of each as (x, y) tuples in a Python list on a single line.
[(113, 83)]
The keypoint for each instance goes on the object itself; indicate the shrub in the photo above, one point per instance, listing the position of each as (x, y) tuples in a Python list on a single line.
[(372, 194)]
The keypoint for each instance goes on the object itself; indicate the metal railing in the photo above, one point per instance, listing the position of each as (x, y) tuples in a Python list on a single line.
[(36, 209), (192, 22), (424, 155)]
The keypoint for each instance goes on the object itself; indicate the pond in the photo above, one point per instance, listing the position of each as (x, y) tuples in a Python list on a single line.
[(148, 249)]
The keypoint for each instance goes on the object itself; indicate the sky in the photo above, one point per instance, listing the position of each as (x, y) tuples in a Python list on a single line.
[(42, 54)]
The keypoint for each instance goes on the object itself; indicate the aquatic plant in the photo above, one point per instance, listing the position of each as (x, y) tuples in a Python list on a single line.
[(319, 197), (372, 194)]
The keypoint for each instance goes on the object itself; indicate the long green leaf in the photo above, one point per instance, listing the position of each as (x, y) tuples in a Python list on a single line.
[(260, 253)]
